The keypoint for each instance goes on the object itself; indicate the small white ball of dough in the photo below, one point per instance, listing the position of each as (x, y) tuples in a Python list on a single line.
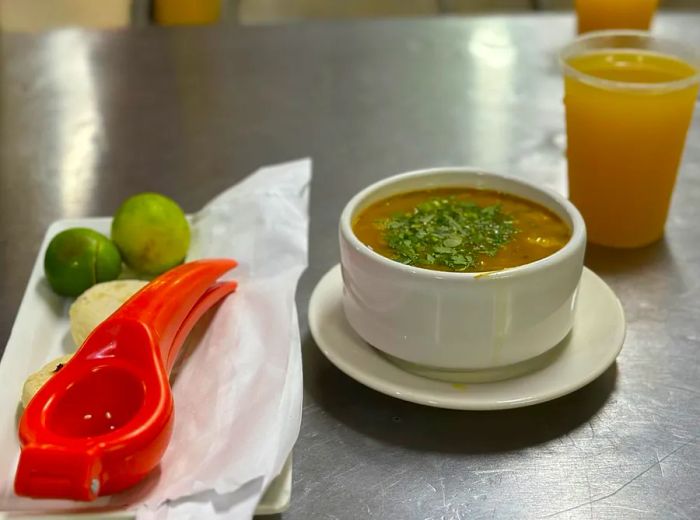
[(38, 378), (97, 303)]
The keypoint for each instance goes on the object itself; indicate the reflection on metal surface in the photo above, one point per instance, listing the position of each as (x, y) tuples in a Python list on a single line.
[(491, 76), (77, 124), (544, 160), (492, 45)]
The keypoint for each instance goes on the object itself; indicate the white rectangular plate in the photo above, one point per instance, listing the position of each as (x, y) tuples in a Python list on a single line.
[(41, 333)]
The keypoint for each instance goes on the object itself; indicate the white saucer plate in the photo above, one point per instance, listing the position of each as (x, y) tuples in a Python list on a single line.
[(590, 348)]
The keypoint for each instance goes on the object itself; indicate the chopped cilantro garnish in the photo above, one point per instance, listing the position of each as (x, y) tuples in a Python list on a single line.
[(447, 232)]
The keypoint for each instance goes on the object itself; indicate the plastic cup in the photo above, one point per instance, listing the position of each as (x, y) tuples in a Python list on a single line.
[(186, 12), (594, 15), (629, 99)]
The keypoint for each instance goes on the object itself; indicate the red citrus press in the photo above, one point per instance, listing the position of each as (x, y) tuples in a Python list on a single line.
[(103, 422)]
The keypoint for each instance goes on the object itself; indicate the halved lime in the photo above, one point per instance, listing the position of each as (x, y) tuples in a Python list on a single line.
[(78, 258)]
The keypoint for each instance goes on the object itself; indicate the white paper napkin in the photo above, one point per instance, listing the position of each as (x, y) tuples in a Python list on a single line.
[(238, 392)]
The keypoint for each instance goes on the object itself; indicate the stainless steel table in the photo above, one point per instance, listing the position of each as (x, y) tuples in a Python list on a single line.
[(88, 118)]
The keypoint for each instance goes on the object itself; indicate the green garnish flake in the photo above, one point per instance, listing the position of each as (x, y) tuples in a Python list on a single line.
[(447, 232)]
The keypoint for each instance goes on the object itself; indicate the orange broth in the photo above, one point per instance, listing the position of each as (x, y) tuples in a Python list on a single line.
[(538, 231)]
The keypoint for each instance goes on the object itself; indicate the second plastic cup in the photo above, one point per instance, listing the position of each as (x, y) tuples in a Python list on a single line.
[(186, 12), (629, 99), (594, 15)]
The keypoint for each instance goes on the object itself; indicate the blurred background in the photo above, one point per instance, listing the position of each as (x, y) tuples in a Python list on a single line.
[(39, 15)]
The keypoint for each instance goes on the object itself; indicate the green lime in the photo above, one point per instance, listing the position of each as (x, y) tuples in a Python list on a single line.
[(78, 258), (151, 232)]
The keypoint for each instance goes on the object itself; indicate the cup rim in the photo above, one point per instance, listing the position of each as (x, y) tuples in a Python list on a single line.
[(578, 231), (568, 50)]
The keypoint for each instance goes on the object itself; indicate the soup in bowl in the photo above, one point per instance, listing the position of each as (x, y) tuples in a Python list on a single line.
[(461, 270), (460, 229)]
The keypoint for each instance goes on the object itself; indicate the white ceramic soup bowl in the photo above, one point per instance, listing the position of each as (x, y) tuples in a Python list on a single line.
[(460, 321)]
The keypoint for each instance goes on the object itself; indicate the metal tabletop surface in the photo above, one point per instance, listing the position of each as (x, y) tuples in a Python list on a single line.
[(88, 118)]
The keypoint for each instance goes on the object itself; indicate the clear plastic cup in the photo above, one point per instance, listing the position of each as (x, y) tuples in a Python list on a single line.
[(629, 99), (186, 12), (595, 15)]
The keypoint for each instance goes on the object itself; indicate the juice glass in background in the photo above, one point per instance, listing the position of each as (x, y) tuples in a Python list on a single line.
[(594, 15), (186, 12), (629, 99)]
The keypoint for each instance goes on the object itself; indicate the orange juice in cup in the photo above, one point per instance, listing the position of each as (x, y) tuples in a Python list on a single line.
[(186, 12), (629, 99), (594, 15)]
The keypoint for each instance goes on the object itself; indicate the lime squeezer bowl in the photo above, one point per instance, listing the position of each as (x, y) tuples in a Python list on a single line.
[(103, 422)]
